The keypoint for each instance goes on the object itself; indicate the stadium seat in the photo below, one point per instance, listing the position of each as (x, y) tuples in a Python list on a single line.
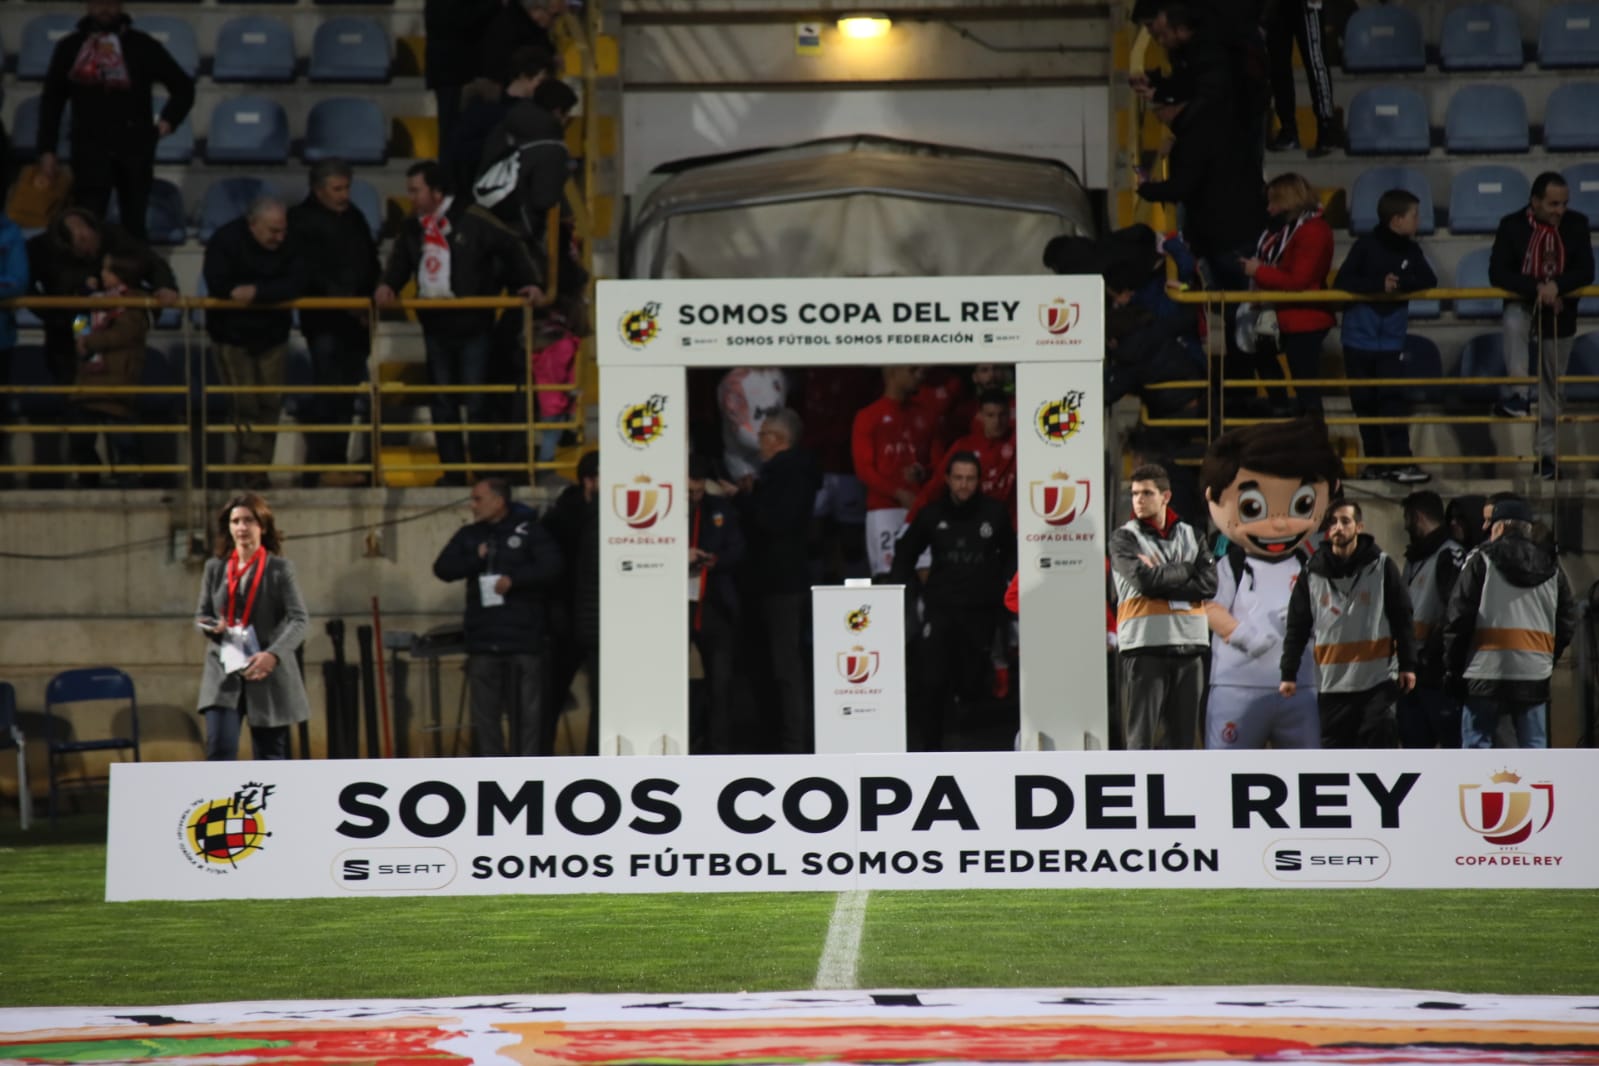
[(177, 37), (178, 146), (364, 195), (1388, 120), (350, 49), (1384, 37), (1482, 357), (39, 37), (164, 218), (1420, 359), (1569, 36), (1472, 273), (248, 129), (1584, 363), (90, 685), (1481, 37), (1583, 178), (160, 369), (254, 48), (1371, 184), (226, 200), (25, 129), (1486, 118), (1481, 196), (1571, 118), (1427, 308), (349, 128)]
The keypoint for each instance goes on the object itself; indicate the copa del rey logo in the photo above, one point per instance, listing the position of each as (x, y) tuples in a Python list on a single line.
[(641, 503), (1058, 316), (1059, 500), (857, 665), (1506, 812)]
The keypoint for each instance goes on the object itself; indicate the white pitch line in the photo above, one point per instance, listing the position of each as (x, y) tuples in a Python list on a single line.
[(841, 954)]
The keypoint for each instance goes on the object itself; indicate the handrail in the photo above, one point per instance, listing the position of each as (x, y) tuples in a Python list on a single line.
[(1339, 296)]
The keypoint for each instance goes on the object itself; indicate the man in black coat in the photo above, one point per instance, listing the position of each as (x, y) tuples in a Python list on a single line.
[(455, 30), (253, 261), (341, 259), (1542, 253), (509, 562), (574, 522), (715, 550), (105, 69), (974, 555)]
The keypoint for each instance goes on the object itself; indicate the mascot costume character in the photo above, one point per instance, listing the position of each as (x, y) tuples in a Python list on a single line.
[(1268, 487)]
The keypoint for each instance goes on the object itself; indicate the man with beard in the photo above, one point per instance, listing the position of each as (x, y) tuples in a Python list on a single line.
[(1351, 603), (1428, 717)]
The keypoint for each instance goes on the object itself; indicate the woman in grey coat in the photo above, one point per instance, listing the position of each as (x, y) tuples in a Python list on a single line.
[(254, 618)]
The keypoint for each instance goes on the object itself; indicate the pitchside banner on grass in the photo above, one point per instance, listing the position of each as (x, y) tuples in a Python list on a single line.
[(1295, 819), (649, 332)]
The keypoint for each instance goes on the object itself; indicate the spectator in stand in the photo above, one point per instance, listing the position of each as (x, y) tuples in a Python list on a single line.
[(341, 259), (715, 550), (973, 552), (994, 445), (455, 249), (831, 397), (110, 353), (517, 25), (1543, 254), (574, 522), (1299, 22), (1353, 605), (1428, 716), (1294, 254), (776, 510), (524, 167), (455, 30), (1218, 60), (892, 447), (1386, 260), (747, 396), (1511, 615), (251, 260), (527, 69), (106, 69), (1464, 517)]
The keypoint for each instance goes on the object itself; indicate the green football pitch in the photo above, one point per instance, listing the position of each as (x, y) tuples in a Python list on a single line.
[(63, 945)]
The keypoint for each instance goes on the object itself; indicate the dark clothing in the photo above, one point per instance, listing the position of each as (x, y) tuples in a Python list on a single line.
[(341, 259), (1298, 22), (1191, 580), (234, 258), (786, 616), (1150, 350), (518, 548), (1380, 440), (575, 524), (507, 686), (454, 31), (1428, 718), (1430, 674), (1210, 176), (1380, 327), (508, 31), (955, 661), (714, 528), (777, 517), (106, 120), (1524, 564), (1510, 248), (538, 141), (486, 259), (462, 153), (1366, 719), (1159, 697), (974, 553), (1396, 605)]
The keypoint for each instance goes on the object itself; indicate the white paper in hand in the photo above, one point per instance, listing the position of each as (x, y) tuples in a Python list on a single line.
[(485, 588), (238, 645)]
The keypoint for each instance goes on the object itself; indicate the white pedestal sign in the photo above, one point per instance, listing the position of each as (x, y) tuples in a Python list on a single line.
[(858, 641)]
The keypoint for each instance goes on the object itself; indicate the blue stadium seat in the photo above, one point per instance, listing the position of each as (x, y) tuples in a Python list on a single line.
[(1482, 357), (1472, 273), (1583, 178), (178, 147), (1584, 363), (1388, 120), (1486, 118), (25, 130), (1427, 308), (1481, 37), (177, 37), (1384, 37), (1420, 359), (164, 218), (1569, 36), (254, 48), (1371, 184), (226, 200), (39, 37), (161, 368), (364, 195), (1571, 117), (1481, 196), (248, 129), (350, 49), (349, 128)]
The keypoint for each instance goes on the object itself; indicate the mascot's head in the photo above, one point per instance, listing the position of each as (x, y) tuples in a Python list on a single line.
[(1268, 485)]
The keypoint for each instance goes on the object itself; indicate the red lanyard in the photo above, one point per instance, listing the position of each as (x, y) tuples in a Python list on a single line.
[(258, 561)]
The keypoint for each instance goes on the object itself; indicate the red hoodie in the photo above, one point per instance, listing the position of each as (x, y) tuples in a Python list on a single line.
[(1302, 267), (887, 437)]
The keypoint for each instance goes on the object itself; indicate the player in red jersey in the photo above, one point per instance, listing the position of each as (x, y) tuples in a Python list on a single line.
[(994, 444), (892, 446)]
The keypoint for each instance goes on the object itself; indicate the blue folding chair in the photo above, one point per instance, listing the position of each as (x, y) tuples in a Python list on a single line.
[(1425, 309), (1569, 36), (254, 48), (1482, 357), (94, 684), (176, 147), (226, 200), (1585, 364), (1371, 184), (1472, 273), (1480, 196), (348, 128), (1420, 358), (177, 37), (1571, 118), (248, 129), (365, 197), (165, 220), (1481, 37), (1583, 180), (1486, 118), (350, 49), (40, 36), (1384, 38), (25, 129), (11, 737), (1388, 120)]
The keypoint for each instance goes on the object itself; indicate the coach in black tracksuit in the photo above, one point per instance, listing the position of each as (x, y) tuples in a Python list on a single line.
[(974, 554)]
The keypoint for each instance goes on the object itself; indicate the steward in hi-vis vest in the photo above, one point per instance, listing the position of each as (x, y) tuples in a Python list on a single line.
[(1428, 716), (1510, 617), (1163, 576), (1351, 603)]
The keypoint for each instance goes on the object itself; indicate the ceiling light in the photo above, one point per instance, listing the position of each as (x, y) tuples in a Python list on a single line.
[(864, 24)]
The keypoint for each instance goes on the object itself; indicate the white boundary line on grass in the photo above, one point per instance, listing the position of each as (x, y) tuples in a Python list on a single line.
[(841, 954)]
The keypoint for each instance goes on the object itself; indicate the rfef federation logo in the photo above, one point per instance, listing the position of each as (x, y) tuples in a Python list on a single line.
[(857, 665), (641, 424), (640, 327), (1507, 812), (1057, 421), (1058, 316), (219, 834), (859, 619), (1059, 500), (642, 503)]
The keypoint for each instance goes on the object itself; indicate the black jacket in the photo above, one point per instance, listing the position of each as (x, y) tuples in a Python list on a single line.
[(1213, 180), (1376, 255), (1526, 565), (538, 139), (486, 259), (1396, 605), (974, 553), (234, 258), (519, 548), (454, 29), (341, 259), (1431, 673), (720, 534), (575, 524), (510, 30), (1510, 247), (113, 122), (777, 520)]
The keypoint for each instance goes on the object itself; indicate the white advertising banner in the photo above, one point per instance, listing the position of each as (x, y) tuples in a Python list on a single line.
[(1301, 819), (858, 648), (1060, 470), (643, 561)]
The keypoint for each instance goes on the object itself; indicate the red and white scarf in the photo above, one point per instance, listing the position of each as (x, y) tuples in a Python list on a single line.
[(1273, 242), (433, 276), (103, 317), (1546, 252), (100, 62)]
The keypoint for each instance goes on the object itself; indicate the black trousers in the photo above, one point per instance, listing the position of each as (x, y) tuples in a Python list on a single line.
[(1160, 697), (100, 170), (786, 617), (501, 685), (711, 715), (338, 357), (1366, 719), (1298, 22), (1391, 440), (955, 660)]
